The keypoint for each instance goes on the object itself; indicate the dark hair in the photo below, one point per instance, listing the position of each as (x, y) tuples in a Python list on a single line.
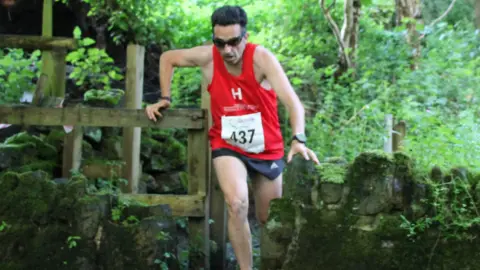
[(229, 15)]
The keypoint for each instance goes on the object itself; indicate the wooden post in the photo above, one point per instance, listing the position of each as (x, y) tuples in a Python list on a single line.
[(133, 100), (198, 183), (53, 62), (399, 133), (218, 209), (54, 68), (387, 145), (218, 228), (72, 151), (59, 71)]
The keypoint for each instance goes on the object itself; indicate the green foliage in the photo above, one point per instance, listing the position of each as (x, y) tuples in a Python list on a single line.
[(131, 20), (186, 86), (438, 101), (72, 241), (455, 209), (93, 68), (332, 173), (434, 9), (3, 226), (17, 71), (141, 22)]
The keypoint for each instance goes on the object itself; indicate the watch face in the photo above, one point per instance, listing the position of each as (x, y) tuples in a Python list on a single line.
[(301, 137)]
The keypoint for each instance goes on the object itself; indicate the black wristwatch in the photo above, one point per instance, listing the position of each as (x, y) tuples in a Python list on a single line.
[(166, 98), (300, 137)]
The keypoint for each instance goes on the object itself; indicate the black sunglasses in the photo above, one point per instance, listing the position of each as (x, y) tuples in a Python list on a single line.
[(220, 43)]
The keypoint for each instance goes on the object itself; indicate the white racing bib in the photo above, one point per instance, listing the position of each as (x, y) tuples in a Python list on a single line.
[(244, 131)]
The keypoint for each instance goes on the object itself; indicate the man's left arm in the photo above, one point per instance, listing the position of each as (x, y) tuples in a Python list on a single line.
[(279, 82), (281, 85)]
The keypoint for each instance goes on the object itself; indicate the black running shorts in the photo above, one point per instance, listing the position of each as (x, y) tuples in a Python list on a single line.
[(268, 168)]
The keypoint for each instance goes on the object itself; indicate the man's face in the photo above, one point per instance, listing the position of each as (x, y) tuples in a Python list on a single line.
[(230, 41), (7, 3)]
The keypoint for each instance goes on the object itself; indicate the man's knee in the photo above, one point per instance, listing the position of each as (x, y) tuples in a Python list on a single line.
[(266, 190), (262, 211), (232, 176), (262, 218), (237, 207)]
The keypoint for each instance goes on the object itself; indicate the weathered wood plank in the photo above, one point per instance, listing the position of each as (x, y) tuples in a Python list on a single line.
[(181, 205), (198, 227), (400, 131), (387, 145), (217, 209), (100, 117), (72, 151), (218, 228), (133, 100), (40, 89), (37, 42), (57, 71), (198, 179)]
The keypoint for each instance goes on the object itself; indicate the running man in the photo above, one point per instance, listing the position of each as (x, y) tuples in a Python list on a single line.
[(244, 80)]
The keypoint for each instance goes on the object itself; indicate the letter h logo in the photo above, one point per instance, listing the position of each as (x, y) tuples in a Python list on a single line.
[(237, 94)]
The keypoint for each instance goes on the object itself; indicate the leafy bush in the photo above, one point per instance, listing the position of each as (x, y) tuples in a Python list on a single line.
[(93, 68), (17, 71)]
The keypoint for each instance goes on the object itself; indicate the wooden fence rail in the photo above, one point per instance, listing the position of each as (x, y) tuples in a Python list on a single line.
[(37, 42), (100, 117)]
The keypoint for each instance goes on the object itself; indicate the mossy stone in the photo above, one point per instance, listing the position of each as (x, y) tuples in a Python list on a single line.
[(332, 173), (28, 196), (333, 244)]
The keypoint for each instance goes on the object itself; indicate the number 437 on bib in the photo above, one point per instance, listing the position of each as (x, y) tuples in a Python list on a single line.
[(244, 131)]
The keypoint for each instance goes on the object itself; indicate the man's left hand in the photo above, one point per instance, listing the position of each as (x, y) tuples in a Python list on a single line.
[(300, 148)]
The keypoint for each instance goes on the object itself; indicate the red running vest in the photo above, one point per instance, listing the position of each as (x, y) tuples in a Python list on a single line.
[(244, 114)]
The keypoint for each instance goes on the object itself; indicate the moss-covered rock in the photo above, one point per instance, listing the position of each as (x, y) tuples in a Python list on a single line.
[(44, 149), (27, 196), (167, 183), (24, 152), (328, 185), (112, 148), (103, 98), (162, 152), (15, 155), (300, 178), (373, 242), (277, 233), (47, 225), (332, 173), (394, 218)]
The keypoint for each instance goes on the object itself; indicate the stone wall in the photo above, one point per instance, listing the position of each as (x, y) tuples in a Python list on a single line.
[(379, 212), (50, 222)]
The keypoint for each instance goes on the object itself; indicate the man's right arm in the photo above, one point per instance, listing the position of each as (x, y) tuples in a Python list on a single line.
[(199, 56)]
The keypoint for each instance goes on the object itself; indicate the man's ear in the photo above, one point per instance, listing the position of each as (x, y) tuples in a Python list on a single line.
[(246, 35)]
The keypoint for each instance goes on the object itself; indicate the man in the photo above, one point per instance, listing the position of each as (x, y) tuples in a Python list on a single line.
[(244, 81)]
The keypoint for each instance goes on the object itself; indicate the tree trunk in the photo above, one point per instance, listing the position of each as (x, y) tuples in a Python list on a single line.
[(408, 12), (477, 14), (349, 32), (347, 37)]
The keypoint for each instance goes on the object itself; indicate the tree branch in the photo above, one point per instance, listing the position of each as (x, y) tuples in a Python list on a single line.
[(336, 31), (450, 7), (347, 22)]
